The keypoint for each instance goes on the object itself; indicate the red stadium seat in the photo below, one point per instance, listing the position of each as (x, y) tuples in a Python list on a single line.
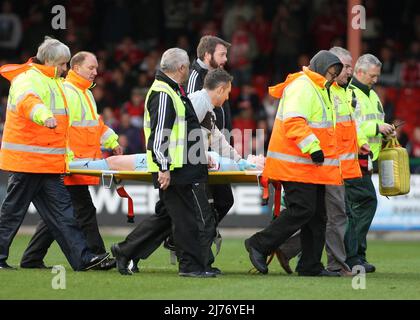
[(392, 94), (260, 83), (408, 104), (234, 93)]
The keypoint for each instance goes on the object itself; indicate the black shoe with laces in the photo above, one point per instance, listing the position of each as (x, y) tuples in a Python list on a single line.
[(258, 259), (122, 261), (322, 273), (327, 273), (40, 265)]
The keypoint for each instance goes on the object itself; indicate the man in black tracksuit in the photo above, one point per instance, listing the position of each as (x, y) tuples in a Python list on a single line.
[(212, 54), (182, 191)]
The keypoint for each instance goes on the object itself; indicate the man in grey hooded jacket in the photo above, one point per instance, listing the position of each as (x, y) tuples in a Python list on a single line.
[(304, 199), (216, 89)]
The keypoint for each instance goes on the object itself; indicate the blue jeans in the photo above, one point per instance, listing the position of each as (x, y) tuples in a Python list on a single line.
[(52, 200)]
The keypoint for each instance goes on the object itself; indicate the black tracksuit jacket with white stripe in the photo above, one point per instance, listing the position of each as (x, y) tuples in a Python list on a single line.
[(162, 116), (195, 83)]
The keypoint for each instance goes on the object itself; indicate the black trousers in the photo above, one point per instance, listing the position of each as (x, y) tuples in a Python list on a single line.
[(186, 208), (85, 214), (148, 234), (151, 232), (52, 200), (306, 211), (222, 199), (221, 196)]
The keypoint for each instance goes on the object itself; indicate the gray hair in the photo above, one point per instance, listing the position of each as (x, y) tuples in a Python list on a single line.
[(52, 50), (173, 59), (340, 52), (366, 61), (215, 78)]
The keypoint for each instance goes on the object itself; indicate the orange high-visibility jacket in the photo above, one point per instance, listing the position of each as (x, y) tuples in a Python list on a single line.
[(304, 124), (346, 132), (36, 94), (87, 130)]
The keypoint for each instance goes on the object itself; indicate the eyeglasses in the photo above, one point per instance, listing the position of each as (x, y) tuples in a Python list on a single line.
[(333, 75)]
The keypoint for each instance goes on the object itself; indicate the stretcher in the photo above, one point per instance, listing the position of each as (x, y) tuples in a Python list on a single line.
[(113, 176), (215, 177)]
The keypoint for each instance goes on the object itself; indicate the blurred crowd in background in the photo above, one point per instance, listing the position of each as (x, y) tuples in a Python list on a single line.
[(269, 40)]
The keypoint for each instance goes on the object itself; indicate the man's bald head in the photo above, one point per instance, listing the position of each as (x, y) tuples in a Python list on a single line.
[(85, 64)]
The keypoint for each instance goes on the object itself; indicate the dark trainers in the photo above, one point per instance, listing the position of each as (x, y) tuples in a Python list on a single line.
[(107, 264), (96, 260), (197, 274), (369, 268), (363, 266)]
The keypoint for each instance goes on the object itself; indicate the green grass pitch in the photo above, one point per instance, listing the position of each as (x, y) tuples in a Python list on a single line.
[(397, 277)]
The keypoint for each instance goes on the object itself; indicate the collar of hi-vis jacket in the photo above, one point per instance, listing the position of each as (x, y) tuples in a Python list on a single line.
[(277, 90), (336, 85), (11, 71), (48, 71), (79, 81)]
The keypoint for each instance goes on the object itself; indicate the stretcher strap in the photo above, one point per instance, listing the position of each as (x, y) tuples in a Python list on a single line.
[(265, 184), (123, 194), (263, 181), (277, 199)]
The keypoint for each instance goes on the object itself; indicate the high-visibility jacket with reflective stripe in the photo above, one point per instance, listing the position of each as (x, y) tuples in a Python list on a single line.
[(87, 130), (177, 136), (27, 146), (346, 132), (304, 124), (368, 113)]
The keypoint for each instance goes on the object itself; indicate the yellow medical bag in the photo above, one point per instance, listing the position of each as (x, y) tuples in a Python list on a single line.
[(394, 169)]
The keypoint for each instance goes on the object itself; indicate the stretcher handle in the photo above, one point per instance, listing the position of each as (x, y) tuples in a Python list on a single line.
[(111, 179)]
